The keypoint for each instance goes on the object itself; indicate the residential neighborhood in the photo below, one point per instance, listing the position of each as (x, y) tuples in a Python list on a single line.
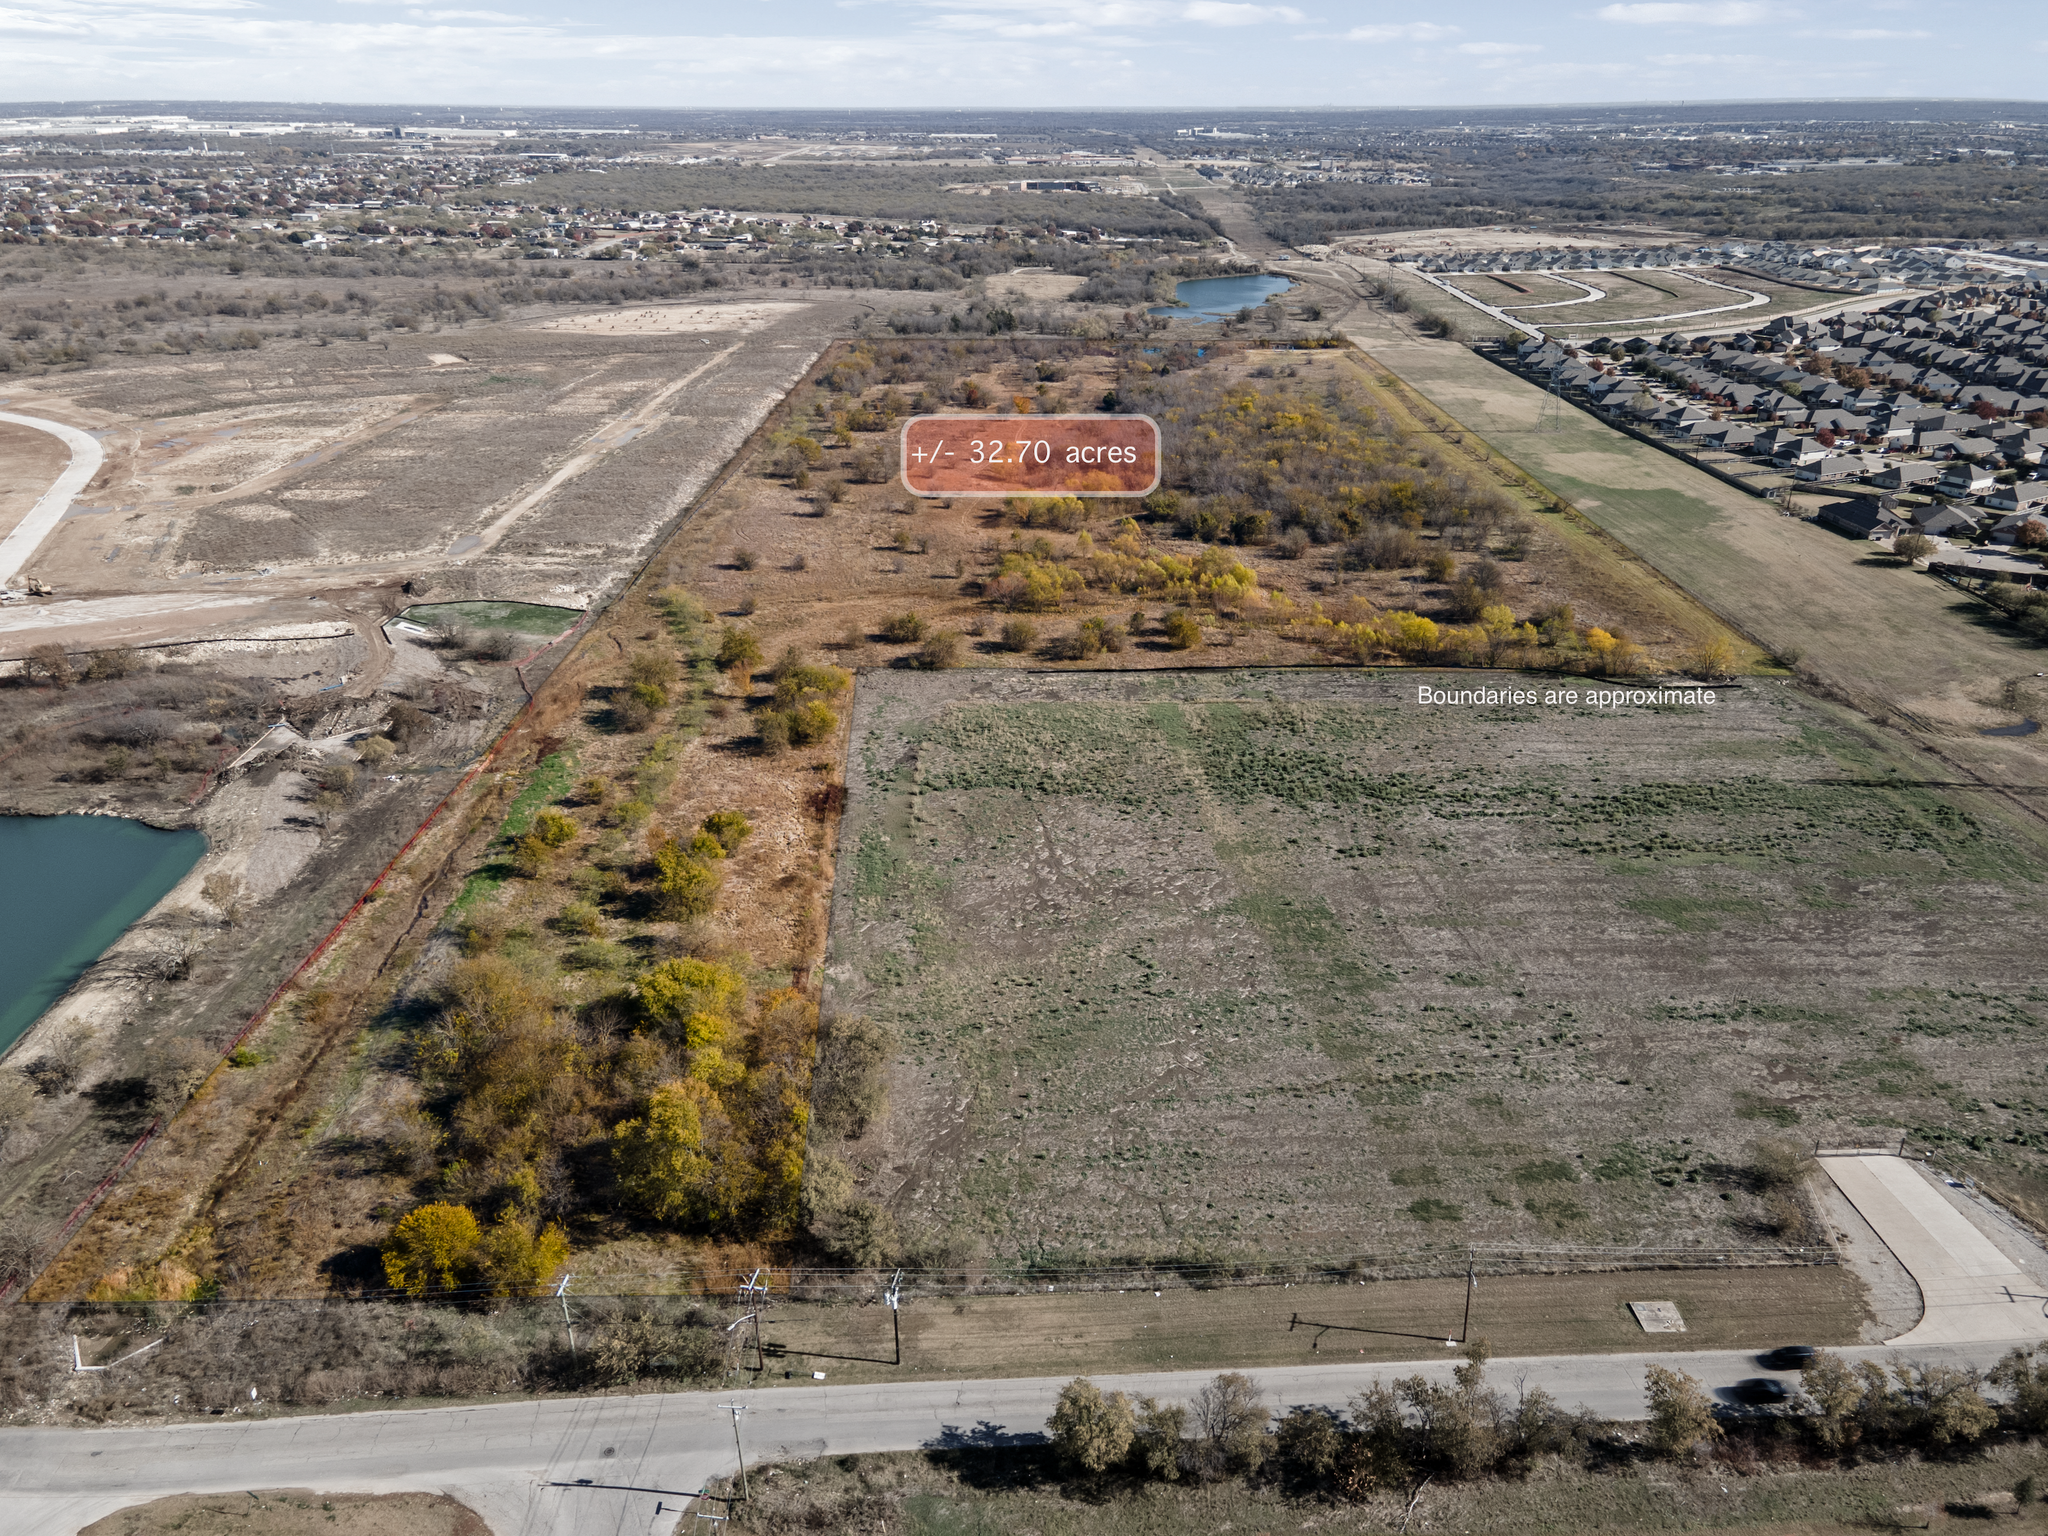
[(1931, 410)]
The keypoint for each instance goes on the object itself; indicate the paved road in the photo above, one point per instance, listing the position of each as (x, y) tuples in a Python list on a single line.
[(610, 1466), (86, 458)]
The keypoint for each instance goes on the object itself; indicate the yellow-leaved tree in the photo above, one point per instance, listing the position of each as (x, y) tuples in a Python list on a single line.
[(660, 1153), (430, 1248)]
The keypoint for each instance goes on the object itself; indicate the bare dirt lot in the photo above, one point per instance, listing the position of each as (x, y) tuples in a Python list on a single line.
[(1286, 962), (295, 1512), (540, 459)]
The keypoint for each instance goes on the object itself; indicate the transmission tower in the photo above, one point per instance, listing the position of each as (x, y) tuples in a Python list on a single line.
[(1551, 417)]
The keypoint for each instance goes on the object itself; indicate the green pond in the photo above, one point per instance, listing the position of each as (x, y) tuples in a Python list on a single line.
[(69, 885)]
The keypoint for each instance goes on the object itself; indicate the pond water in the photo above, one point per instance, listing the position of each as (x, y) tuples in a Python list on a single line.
[(1212, 298), (71, 885)]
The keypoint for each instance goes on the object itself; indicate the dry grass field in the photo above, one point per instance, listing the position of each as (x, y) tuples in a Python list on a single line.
[(1022, 1493), (1235, 963), (1106, 1332), (294, 1512)]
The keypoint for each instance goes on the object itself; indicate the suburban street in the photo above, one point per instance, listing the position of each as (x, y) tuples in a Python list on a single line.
[(623, 1464), (614, 1465)]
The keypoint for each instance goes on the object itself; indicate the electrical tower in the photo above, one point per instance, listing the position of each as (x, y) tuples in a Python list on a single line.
[(1551, 417)]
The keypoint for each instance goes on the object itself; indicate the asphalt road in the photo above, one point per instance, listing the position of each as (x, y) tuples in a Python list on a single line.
[(612, 1465)]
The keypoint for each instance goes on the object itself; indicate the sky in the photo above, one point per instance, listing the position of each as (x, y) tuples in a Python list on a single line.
[(1018, 53)]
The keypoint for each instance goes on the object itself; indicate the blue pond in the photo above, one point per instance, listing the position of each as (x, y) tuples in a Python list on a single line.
[(1212, 298), (71, 885)]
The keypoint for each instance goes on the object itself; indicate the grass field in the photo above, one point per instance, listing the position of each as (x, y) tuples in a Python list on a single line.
[(1287, 963), (1899, 643), (1066, 1331)]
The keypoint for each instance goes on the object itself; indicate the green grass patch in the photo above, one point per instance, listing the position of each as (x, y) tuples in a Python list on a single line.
[(524, 618), (1436, 1210)]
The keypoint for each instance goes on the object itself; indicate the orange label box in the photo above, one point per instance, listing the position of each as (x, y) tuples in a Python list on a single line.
[(1030, 455)]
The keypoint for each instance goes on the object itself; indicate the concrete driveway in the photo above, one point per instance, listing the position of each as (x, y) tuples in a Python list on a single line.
[(1972, 1288)]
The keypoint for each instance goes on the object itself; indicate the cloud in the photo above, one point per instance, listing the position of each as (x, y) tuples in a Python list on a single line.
[(1689, 13), (1220, 13), (1710, 61), (1873, 35), (1400, 32), (1497, 50)]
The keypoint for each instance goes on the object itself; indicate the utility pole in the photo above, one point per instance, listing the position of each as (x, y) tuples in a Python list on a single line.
[(1471, 1285), (894, 1296), (736, 1409), (562, 1295), (755, 1319)]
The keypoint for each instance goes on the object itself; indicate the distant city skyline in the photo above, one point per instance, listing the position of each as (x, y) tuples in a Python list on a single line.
[(1011, 54)]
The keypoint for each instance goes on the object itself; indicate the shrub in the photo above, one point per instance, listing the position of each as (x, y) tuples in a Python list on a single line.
[(1183, 632), (1378, 549), (579, 918), (1912, 546), (597, 956), (1440, 566), (684, 886), (1019, 635), (651, 667), (407, 723), (1230, 1416), (644, 1348), (1714, 658), (774, 733), (49, 664), (111, 664), (1681, 1412), (730, 828), (555, 828), (375, 752), (811, 721), (1091, 1432), (903, 629), (516, 1260), (738, 650), (940, 651), (676, 990), (430, 1248), (849, 1090), (744, 559)]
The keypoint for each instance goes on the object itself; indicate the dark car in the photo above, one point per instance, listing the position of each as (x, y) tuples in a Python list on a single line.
[(1761, 1390), (1788, 1357)]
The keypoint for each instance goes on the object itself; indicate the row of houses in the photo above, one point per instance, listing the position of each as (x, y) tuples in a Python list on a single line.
[(1831, 269), (1803, 396)]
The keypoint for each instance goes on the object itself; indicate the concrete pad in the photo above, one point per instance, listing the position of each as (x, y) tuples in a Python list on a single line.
[(1658, 1316), (1970, 1291)]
